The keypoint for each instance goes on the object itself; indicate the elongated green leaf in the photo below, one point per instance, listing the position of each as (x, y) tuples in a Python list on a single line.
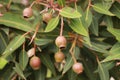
[(77, 26), (68, 65), (41, 73), (45, 58), (15, 21), (97, 47), (115, 32), (56, 78), (115, 53), (94, 26), (70, 13), (3, 41), (108, 21), (3, 62), (61, 2), (18, 70), (13, 45), (88, 17), (72, 75), (103, 72), (23, 59), (116, 9), (41, 42), (77, 53), (101, 9), (52, 24)]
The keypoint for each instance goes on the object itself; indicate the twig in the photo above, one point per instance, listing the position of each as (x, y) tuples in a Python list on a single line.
[(62, 24), (72, 47), (34, 35)]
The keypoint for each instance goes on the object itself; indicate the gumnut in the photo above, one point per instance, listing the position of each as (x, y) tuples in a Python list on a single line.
[(47, 17), (59, 57), (35, 62), (77, 68), (61, 42), (27, 12)]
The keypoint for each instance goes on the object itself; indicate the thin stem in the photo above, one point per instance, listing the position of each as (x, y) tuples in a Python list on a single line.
[(34, 48), (72, 49), (76, 5), (44, 4), (62, 24), (32, 4), (9, 3), (34, 35)]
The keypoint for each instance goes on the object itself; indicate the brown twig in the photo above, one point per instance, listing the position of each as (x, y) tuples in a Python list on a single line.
[(62, 24), (72, 48), (34, 35)]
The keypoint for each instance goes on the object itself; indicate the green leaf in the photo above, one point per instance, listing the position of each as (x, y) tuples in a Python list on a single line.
[(77, 52), (103, 72), (23, 59), (3, 41), (13, 45), (41, 73), (56, 78), (61, 2), (15, 21), (52, 24), (97, 47), (3, 62), (116, 9), (41, 41), (18, 70), (88, 17), (94, 26), (108, 21), (68, 64), (115, 32), (115, 53), (72, 75), (45, 58), (70, 13), (77, 26), (100, 8)]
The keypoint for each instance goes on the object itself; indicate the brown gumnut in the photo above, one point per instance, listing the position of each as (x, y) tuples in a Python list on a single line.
[(77, 68), (27, 12), (59, 57), (47, 17), (35, 62), (61, 42)]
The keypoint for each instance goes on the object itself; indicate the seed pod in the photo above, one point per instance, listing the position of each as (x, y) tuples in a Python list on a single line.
[(35, 62), (61, 42), (59, 57), (47, 17), (31, 52), (27, 12), (77, 68)]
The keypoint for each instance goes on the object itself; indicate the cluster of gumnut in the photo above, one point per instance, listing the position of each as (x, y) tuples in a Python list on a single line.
[(60, 42), (59, 56)]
